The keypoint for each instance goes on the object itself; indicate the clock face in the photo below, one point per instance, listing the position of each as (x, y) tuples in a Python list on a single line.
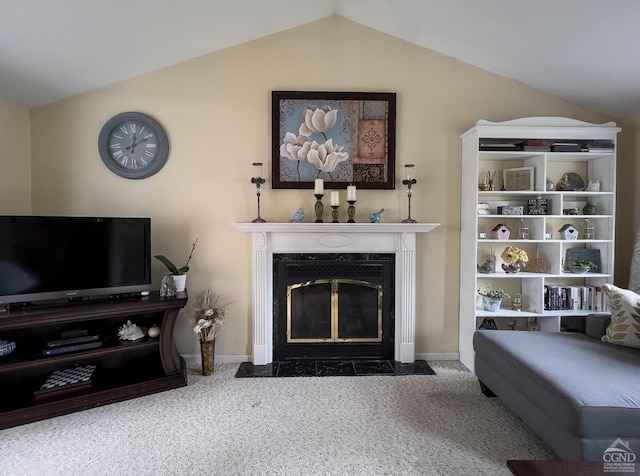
[(133, 145)]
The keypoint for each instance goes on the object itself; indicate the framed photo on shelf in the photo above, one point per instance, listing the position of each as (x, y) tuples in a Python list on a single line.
[(344, 138), (520, 178)]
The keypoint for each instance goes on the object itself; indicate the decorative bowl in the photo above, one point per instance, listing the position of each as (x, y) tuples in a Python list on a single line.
[(578, 269)]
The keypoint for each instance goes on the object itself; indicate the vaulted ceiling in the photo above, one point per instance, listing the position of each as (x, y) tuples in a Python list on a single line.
[(581, 50)]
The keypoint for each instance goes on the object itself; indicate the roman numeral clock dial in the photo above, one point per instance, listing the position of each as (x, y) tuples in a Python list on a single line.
[(133, 145)]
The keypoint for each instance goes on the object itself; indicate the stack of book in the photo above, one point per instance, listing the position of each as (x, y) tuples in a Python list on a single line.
[(536, 145), (507, 145), (603, 146), (566, 147)]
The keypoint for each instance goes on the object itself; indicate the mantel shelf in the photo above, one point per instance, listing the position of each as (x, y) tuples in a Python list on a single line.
[(336, 227)]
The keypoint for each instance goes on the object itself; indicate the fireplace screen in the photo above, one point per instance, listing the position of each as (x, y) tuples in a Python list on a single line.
[(333, 305), (334, 310)]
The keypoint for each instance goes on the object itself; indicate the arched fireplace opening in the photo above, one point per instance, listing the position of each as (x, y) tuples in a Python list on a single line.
[(333, 306)]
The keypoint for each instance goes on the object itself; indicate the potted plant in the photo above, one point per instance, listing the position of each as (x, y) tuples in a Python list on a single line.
[(492, 298), (514, 258), (580, 266), (179, 275)]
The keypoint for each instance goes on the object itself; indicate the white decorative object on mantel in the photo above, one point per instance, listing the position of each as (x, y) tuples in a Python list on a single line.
[(270, 238)]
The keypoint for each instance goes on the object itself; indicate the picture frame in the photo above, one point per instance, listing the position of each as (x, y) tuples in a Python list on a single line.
[(344, 138), (517, 179), (588, 254)]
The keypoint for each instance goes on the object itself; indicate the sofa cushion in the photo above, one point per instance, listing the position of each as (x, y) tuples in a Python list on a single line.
[(624, 328), (589, 388)]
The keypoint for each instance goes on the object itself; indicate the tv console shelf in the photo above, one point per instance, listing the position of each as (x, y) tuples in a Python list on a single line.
[(124, 370)]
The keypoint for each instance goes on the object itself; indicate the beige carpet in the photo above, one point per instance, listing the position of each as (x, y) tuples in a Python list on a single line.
[(220, 425)]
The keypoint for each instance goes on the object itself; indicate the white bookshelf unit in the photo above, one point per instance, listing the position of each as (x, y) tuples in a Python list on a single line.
[(532, 146)]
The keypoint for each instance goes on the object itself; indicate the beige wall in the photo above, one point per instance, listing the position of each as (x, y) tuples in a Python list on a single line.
[(216, 110), (628, 197), (15, 161)]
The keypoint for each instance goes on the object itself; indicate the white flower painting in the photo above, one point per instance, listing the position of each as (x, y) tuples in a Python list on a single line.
[(324, 156), (333, 136)]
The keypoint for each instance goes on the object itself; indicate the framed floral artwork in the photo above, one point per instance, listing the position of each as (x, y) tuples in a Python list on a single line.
[(341, 137)]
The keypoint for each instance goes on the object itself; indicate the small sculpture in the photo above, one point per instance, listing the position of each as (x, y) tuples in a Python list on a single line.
[(168, 286), (298, 216), (486, 267), (550, 185), (375, 217), (563, 183), (130, 331), (593, 186), (489, 324)]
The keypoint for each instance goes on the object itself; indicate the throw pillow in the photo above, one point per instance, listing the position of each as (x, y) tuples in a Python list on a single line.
[(625, 317)]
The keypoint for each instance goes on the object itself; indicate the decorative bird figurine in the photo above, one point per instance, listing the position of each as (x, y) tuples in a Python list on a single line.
[(298, 216), (375, 217), (487, 267)]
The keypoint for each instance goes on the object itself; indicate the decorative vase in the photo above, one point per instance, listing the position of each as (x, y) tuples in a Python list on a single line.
[(491, 303), (180, 280), (207, 351), (589, 209), (510, 268), (516, 306)]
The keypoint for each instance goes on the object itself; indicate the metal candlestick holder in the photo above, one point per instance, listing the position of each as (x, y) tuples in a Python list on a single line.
[(334, 213), (409, 183), (351, 211), (258, 181), (319, 207)]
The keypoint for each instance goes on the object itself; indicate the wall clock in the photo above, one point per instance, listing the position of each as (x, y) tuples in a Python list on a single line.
[(133, 145)]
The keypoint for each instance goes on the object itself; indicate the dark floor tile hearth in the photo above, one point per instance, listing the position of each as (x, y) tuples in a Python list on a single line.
[(333, 368)]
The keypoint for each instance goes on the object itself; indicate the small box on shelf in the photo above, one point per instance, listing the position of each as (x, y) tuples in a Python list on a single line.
[(511, 210)]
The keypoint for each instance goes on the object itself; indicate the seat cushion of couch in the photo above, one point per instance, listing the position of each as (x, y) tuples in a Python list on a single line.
[(590, 388)]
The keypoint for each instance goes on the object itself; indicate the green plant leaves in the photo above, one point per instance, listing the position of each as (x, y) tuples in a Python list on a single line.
[(170, 266)]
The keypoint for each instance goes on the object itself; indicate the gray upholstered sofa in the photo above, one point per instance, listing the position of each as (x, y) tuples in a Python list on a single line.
[(577, 393)]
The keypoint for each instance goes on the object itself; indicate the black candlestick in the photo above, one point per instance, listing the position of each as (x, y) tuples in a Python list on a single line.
[(351, 211), (409, 183), (258, 181), (319, 208), (334, 213)]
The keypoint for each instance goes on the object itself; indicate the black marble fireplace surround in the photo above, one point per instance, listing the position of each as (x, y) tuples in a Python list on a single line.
[(333, 359)]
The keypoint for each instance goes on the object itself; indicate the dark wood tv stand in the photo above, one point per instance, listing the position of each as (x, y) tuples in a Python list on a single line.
[(123, 369)]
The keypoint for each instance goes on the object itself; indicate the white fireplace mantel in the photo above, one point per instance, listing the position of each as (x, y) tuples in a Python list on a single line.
[(270, 238)]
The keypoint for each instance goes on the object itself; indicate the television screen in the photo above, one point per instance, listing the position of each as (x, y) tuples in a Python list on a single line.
[(49, 258)]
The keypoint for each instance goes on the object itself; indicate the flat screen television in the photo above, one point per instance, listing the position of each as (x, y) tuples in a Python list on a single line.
[(54, 258)]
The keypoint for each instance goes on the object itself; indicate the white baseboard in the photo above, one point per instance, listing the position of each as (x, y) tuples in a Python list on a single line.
[(237, 359), (438, 356), (220, 359)]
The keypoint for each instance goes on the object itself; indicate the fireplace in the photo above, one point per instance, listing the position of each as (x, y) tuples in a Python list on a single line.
[(399, 239), (332, 306)]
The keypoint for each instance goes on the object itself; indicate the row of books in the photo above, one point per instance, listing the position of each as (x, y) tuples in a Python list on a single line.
[(574, 298), (544, 145)]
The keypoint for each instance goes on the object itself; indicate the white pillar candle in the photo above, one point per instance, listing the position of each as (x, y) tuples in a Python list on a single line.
[(351, 193), (319, 186), (335, 198)]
